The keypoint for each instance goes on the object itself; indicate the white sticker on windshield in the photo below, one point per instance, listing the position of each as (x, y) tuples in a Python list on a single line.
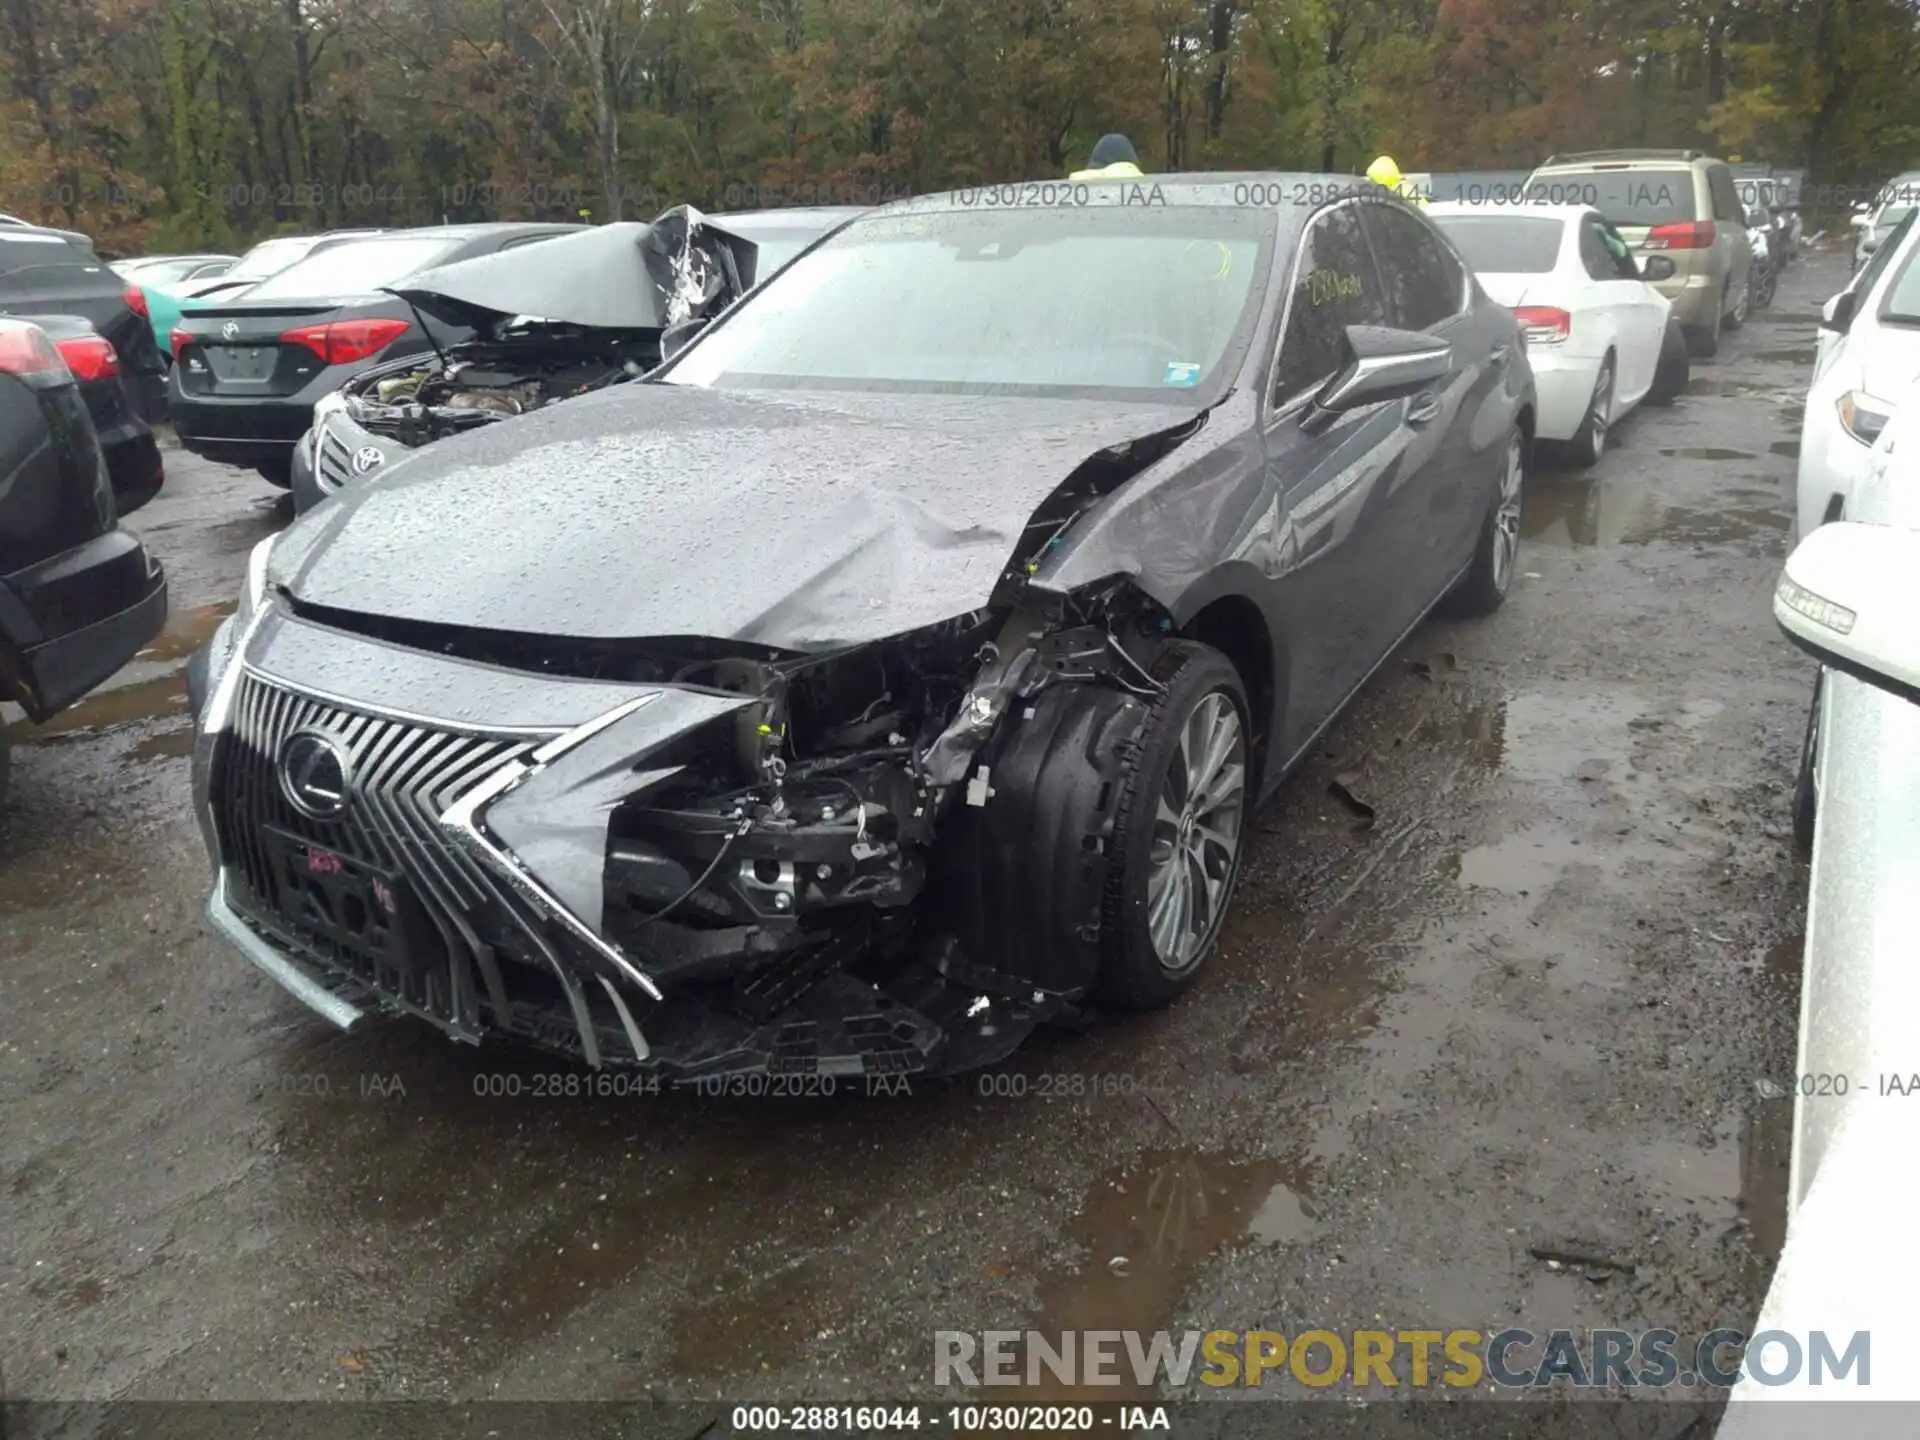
[(1182, 372)]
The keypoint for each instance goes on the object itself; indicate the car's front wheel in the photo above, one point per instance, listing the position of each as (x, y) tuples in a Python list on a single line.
[(1805, 796), (1178, 832)]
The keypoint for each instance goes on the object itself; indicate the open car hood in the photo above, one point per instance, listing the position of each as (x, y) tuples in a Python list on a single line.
[(631, 275)]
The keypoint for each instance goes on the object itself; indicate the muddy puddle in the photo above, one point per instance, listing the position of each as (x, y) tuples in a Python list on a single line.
[(1797, 355), (1708, 452), (1626, 510), (1143, 1234), (159, 698)]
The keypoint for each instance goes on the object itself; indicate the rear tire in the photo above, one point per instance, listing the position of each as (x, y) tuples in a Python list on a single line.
[(1589, 442), (1670, 376), (1482, 589), (1179, 831), (1704, 342)]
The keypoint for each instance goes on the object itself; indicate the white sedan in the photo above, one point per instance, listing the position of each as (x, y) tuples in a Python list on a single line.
[(1595, 329), (1850, 597), (1868, 352)]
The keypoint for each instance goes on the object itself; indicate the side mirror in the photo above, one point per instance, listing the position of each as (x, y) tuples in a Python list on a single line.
[(1657, 267), (1387, 364), (1837, 314), (676, 338), (1848, 599)]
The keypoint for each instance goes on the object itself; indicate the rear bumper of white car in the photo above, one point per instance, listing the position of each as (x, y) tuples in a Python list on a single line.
[(1564, 385)]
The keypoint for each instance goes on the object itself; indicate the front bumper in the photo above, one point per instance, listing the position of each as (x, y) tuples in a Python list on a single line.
[(80, 616), (338, 452), (479, 812)]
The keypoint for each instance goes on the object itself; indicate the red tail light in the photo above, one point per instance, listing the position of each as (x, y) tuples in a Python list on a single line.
[(344, 341), (137, 301), (89, 357), (26, 352), (1693, 235), (1543, 324), (178, 340)]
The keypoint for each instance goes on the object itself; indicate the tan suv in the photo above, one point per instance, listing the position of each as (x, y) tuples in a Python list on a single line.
[(1681, 212)]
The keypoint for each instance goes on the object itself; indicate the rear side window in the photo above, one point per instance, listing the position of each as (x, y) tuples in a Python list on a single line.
[(1337, 287), (1505, 244), (1422, 281), (1632, 198), (36, 252), (1595, 255)]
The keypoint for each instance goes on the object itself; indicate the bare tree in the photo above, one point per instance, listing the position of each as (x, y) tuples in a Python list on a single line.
[(601, 38)]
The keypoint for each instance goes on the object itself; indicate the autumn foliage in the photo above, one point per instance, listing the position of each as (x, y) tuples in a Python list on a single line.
[(192, 123)]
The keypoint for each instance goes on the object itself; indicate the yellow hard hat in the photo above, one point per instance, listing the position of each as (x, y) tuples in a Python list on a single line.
[(1384, 172)]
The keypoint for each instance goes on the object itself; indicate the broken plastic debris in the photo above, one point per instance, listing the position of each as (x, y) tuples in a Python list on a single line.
[(978, 790)]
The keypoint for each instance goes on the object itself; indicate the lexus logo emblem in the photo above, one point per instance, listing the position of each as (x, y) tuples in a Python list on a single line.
[(314, 775), (230, 329), (366, 458)]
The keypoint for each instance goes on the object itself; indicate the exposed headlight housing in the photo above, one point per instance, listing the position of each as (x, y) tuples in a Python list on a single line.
[(1863, 416)]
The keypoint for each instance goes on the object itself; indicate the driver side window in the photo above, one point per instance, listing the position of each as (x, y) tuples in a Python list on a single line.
[(1337, 286)]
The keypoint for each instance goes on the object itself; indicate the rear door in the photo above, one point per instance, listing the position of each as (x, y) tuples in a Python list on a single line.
[(1441, 492), (1339, 570), (1622, 307)]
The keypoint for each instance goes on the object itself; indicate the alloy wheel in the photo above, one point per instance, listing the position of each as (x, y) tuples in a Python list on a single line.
[(1197, 832), (1600, 413), (1506, 515)]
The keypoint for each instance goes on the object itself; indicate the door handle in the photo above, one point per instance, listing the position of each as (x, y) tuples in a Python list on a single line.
[(1422, 408)]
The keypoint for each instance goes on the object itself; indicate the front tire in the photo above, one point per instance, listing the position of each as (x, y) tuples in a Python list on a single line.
[(1482, 589), (277, 472), (1805, 797), (1179, 831)]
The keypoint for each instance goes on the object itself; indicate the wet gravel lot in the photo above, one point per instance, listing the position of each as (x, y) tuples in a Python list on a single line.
[(1512, 954)]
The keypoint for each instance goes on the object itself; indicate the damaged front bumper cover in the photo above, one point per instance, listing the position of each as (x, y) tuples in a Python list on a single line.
[(488, 849)]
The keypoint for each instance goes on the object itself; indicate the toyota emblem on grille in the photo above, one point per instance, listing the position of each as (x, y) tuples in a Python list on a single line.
[(229, 330), (366, 457), (314, 774)]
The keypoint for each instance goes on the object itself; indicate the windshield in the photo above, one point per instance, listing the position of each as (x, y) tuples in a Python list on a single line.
[(1890, 216), (269, 256), (1505, 244), (1902, 304), (1148, 303), (357, 267), (1625, 197)]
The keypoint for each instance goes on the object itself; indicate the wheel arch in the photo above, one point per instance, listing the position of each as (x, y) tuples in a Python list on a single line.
[(1235, 625)]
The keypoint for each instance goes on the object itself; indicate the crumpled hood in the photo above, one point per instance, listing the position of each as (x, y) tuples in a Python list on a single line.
[(798, 520)]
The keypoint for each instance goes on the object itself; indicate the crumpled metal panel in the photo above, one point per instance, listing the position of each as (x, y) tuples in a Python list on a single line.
[(798, 520)]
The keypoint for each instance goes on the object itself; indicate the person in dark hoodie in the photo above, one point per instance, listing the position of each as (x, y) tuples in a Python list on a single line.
[(1113, 158)]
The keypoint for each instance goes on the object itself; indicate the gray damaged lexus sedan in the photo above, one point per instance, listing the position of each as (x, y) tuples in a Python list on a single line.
[(897, 667)]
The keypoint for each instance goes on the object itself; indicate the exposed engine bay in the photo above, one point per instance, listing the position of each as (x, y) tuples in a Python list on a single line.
[(522, 369)]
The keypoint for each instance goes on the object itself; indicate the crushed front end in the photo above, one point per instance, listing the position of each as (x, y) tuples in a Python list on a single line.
[(690, 856)]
